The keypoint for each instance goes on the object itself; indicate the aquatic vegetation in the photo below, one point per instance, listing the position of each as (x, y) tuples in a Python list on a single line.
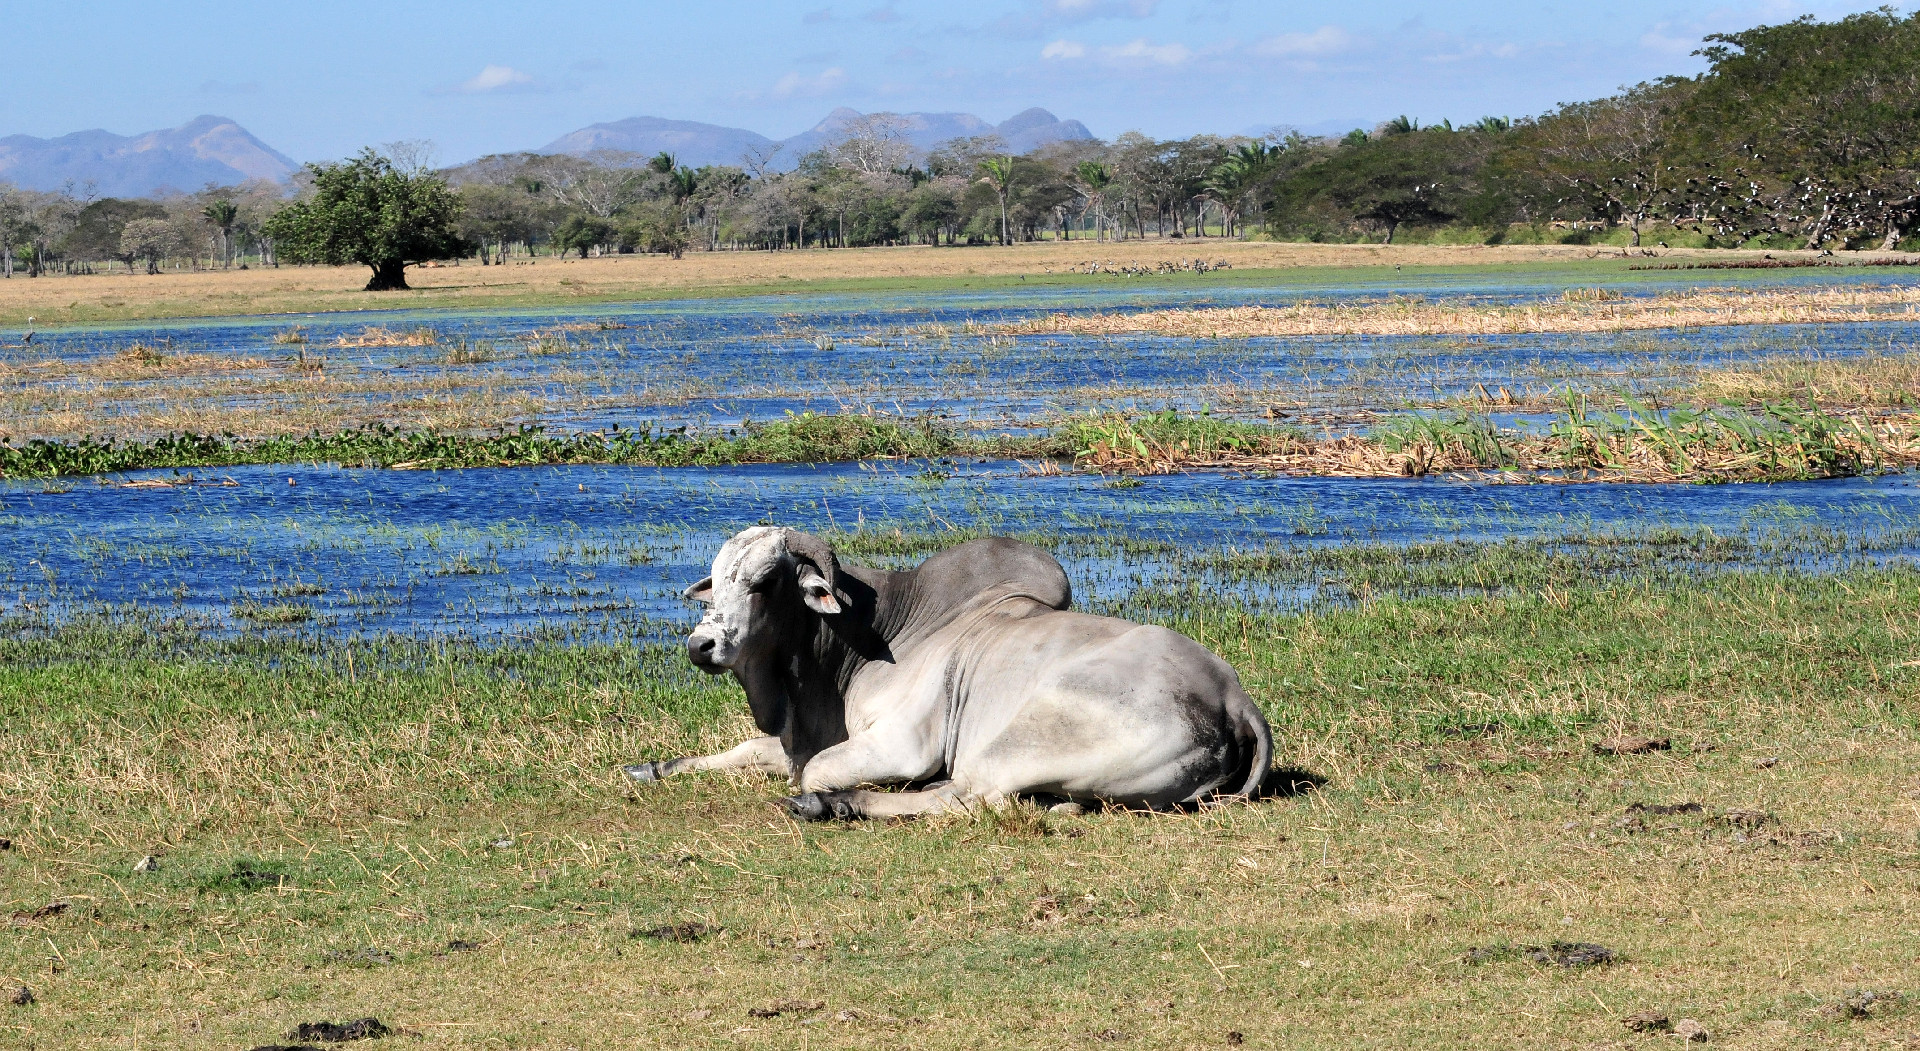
[(1776, 442), (377, 336)]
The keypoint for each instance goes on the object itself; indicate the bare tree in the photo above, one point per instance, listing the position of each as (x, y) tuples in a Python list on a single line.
[(150, 239), (410, 156), (600, 184), (758, 160), (13, 225), (872, 144)]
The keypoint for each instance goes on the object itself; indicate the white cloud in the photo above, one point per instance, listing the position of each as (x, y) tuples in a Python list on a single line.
[(1064, 49), (1141, 51), (795, 85), (1327, 40), (495, 78)]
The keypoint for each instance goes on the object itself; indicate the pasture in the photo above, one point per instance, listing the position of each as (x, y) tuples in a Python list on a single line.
[(546, 281), (438, 836), (298, 738)]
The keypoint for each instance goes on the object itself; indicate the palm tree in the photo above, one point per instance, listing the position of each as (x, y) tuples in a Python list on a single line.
[(682, 181), (223, 214), (1092, 178), (1241, 176), (997, 172)]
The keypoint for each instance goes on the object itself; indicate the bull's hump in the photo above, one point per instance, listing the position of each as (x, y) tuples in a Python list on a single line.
[(952, 578)]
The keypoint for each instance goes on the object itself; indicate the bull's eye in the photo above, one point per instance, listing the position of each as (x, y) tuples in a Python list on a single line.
[(763, 585)]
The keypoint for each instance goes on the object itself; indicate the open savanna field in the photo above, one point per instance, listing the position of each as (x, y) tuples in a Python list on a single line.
[(307, 718), (121, 296), (438, 836)]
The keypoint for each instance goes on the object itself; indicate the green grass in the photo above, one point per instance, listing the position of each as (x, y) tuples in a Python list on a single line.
[(803, 438), (436, 834), (1609, 267)]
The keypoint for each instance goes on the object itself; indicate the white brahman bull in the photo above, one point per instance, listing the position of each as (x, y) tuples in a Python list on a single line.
[(967, 676)]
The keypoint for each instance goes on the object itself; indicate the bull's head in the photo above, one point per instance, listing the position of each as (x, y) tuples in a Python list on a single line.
[(765, 582)]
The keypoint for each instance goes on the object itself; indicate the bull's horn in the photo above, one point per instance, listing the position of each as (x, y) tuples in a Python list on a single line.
[(809, 548)]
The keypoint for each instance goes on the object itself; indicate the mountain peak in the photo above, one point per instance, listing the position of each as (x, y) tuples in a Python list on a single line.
[(697, 144), (206, 149)]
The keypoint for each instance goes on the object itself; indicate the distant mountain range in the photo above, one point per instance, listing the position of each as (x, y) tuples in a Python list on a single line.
[(217, 150), (696, 144), (203, 150)]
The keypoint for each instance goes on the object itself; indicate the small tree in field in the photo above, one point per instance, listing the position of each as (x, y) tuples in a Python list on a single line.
[(149, 239), (367, 211), (997, 173)]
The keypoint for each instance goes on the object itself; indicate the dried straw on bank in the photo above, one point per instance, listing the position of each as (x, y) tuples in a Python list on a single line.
[(1581, 310)]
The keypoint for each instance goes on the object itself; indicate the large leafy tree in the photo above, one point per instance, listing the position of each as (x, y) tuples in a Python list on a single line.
[(98, 228), (1611, 159), (1825, 116), (367, 211), (1402, 175)]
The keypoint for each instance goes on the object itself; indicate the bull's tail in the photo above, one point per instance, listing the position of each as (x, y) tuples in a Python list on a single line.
[(1253, 726)]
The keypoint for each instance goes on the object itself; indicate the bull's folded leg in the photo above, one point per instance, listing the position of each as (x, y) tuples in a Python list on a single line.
[(762, 754), (854, 804), (881, 756)]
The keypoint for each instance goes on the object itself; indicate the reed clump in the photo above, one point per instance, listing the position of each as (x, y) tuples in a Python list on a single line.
[(462, 352), (1874, 379), (376, 336), (1779, 441)]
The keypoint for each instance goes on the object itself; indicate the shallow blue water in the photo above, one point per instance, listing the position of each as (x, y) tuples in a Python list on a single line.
[(603, 552), (716, 362)]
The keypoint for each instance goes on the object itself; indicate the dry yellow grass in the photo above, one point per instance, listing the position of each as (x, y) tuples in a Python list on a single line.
[(1880, 379), (59, 299), (1397, 316), (131, 395)]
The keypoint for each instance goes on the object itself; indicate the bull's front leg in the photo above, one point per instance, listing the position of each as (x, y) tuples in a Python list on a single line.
[(880, 756), (761, 754)]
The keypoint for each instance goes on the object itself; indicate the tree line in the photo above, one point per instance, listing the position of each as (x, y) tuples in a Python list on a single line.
[(1804, 133)]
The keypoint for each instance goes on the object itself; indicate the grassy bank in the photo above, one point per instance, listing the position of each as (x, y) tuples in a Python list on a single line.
[(1778, 441), (95, 299), (438, 836)]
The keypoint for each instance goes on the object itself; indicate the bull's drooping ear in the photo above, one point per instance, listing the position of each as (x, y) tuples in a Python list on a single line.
[(815, 591), (700, 592)]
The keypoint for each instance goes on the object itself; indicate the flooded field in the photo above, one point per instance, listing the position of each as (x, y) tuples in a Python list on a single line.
[(601, 552), (718, 363)]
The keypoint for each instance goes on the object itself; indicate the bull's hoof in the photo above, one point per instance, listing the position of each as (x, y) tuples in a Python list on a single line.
[(811, 806), (644, 771)]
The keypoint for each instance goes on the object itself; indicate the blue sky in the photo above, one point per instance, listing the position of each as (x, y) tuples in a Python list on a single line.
[(320, 80)]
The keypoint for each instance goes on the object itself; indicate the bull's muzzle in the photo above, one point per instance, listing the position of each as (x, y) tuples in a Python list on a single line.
[(700, 650)]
